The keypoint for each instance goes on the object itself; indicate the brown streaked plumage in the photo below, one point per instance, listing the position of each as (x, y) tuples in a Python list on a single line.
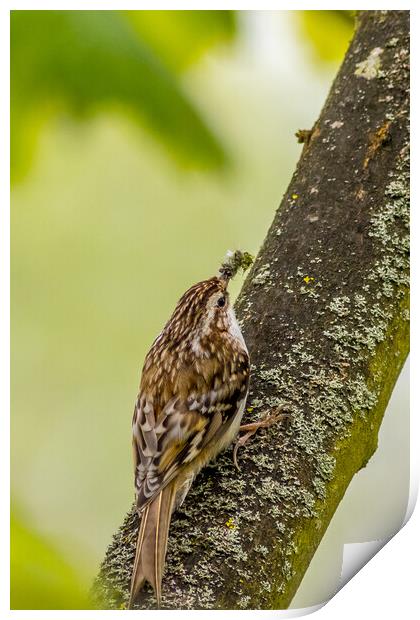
[(191, 400)]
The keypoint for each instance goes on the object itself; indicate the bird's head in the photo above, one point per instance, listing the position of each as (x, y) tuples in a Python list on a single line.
[(204, 310)]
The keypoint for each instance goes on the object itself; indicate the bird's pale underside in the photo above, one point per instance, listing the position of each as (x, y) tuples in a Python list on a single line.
[(189, 407)]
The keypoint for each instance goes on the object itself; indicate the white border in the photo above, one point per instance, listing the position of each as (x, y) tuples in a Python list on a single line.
[(5, 310), (388, 584)]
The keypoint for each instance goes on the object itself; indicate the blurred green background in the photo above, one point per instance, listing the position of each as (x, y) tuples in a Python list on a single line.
[(144, 144)]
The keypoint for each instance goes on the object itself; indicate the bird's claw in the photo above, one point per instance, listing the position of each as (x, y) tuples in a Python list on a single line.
[(251, 428)]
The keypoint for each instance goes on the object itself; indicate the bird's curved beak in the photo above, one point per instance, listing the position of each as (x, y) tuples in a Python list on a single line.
[(224, 281)]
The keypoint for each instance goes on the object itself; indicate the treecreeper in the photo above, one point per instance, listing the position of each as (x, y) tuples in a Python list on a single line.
[(191, 399)]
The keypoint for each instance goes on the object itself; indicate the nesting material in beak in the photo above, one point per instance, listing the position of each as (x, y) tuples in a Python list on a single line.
[(233, 262)]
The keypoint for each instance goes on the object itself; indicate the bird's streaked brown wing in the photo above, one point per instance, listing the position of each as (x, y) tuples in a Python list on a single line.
[(163, 445)]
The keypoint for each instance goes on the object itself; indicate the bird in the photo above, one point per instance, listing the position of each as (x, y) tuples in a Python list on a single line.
[(191, 399)]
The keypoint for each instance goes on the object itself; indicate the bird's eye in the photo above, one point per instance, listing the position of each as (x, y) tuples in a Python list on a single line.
[(221, 302)]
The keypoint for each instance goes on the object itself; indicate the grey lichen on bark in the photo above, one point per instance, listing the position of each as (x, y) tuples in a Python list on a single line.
[(324, 312)]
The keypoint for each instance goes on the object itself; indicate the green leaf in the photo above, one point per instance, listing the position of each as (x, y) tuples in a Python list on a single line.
[(328, 32), (86, 61), (179, 38), (40, 577)]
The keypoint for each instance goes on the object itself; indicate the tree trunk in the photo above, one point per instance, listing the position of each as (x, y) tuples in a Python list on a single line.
[(324, 312)]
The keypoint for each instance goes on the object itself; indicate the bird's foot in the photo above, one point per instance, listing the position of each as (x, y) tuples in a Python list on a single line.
[(250, 429)]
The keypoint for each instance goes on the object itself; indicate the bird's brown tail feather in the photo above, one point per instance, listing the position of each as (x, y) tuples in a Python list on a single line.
[(151, 544)]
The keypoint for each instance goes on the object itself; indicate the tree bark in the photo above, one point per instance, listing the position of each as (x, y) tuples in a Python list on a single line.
[(324, 312)]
